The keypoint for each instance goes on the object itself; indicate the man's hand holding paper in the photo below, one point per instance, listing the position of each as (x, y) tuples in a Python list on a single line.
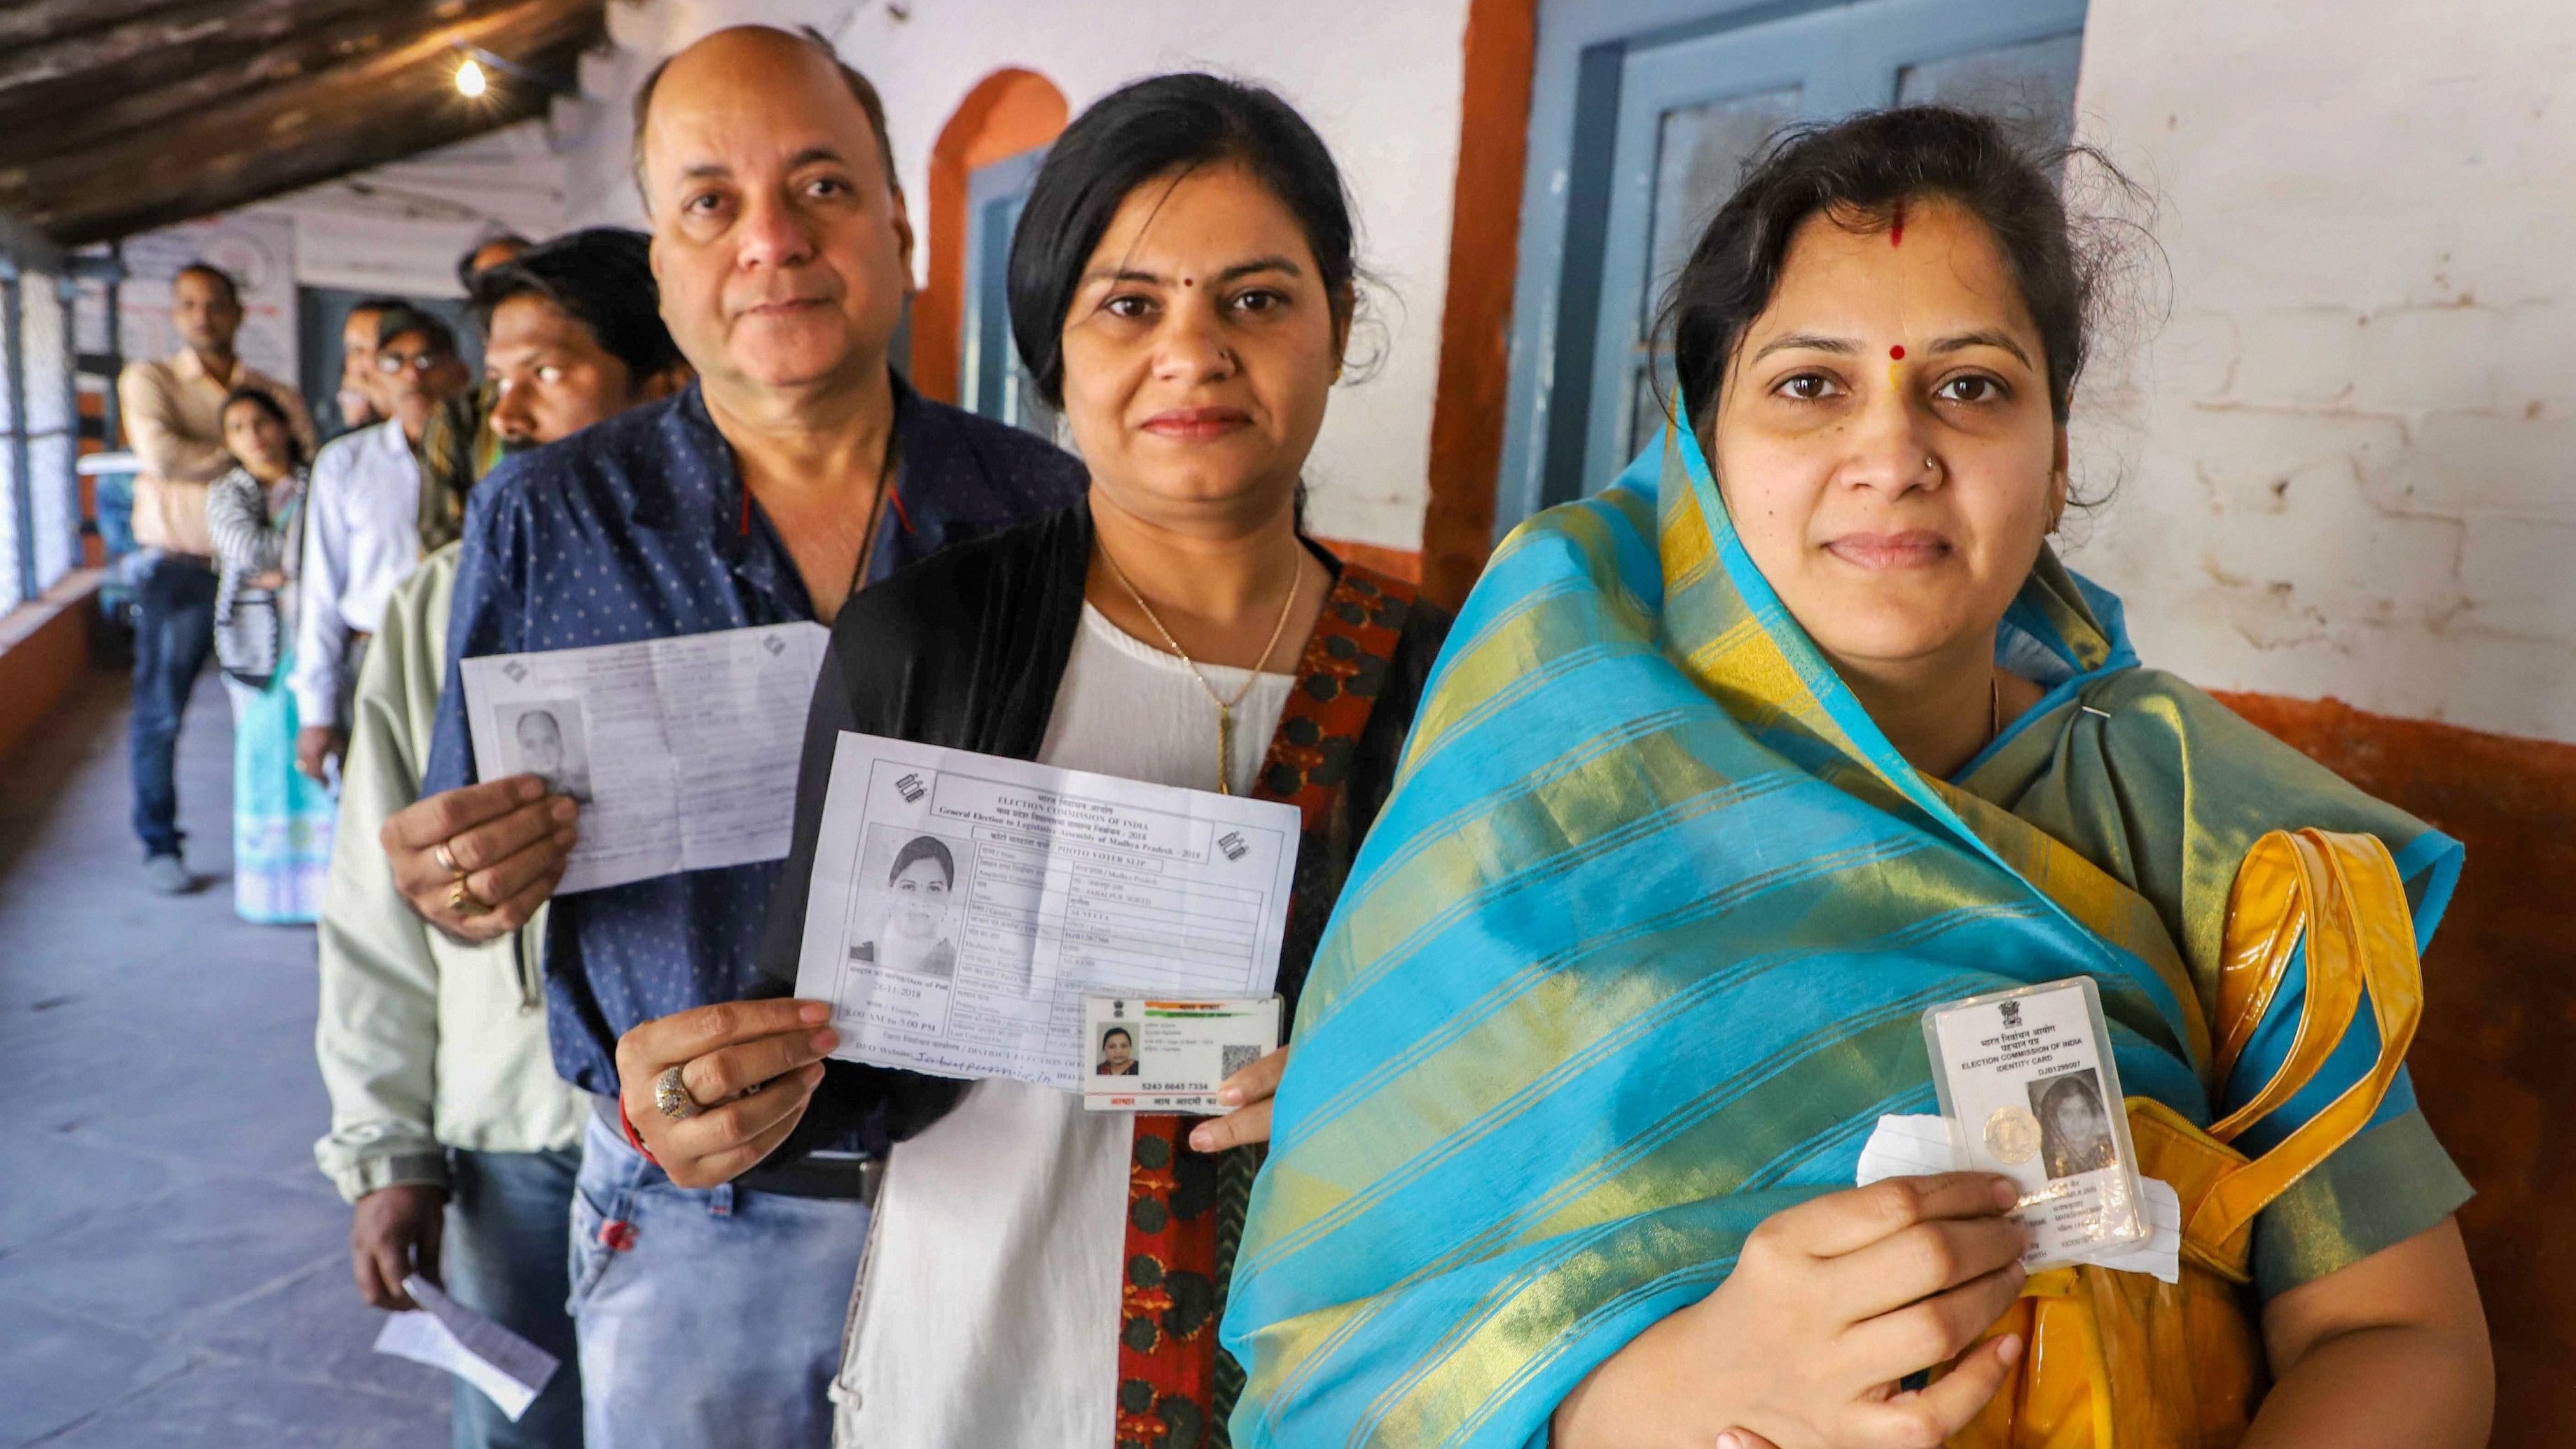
[(680, 753)]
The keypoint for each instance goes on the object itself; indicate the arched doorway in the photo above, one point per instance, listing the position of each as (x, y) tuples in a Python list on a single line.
[(1007, 115)]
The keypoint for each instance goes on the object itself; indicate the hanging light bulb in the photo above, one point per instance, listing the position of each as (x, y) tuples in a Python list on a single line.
[(469, 78)]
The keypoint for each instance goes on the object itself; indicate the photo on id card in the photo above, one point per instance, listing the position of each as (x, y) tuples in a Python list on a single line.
[(2030, 1091), (1171, 1056)]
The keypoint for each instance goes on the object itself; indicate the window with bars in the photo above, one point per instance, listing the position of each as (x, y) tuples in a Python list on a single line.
[(40, 516)]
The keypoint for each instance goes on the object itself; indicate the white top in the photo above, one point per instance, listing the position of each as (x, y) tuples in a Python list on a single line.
[(361, 537), (988, 1306)]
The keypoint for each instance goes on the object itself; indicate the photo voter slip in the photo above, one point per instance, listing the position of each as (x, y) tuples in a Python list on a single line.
[(1171, 1056), (2029, 1089)]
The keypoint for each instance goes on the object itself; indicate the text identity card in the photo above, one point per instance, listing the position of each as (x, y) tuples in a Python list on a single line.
[(2030, 1090), (1171, 1056)]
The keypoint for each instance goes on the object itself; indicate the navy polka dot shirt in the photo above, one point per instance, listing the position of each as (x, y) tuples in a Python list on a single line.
[(637, 529)]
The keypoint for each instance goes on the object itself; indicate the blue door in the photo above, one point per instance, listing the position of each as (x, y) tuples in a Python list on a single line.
[(1656, 129), (990, 380)]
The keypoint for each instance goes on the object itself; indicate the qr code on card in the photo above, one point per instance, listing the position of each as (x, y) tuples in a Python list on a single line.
[(1236, 1058)]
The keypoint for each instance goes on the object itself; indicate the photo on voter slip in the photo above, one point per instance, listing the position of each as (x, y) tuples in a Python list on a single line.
[(2029, 1090), (550, 739), (1171, 1056), (907, 896)]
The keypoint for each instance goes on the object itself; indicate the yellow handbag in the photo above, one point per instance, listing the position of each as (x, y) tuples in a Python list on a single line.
[(2119, 1360)]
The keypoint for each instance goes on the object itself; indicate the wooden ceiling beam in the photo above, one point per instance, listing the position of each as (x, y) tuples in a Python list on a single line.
[(391, 104), (402, 131), (206, 32), (179, 104), (32, 22)]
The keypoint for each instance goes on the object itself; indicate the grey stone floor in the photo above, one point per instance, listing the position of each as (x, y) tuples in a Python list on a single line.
[(173, 1271)]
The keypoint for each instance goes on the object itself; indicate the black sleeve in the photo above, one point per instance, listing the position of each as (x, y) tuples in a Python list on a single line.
[(832, 712), (963, 650)]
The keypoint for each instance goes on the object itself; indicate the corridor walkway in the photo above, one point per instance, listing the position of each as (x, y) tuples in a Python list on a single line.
[(173, 1271)]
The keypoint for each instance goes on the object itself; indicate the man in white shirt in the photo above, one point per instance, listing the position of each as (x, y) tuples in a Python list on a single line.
[(362, 528), (358, 387)]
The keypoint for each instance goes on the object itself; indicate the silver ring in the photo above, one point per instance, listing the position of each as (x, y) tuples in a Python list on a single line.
[(671, 1095), (446, 859)]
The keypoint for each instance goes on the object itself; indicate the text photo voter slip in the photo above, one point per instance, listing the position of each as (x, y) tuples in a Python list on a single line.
[(1171, 1056)]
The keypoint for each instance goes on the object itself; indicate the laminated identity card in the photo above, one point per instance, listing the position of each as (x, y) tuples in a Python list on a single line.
[(2029, 1089), (1171, 1056)]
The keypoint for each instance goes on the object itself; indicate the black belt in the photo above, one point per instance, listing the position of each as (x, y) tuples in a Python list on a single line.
[(840, 1176)]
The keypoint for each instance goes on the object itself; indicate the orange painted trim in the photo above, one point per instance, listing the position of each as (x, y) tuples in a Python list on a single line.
[(1475, 320), (1008, 112), (1403, 563), (44, 649)]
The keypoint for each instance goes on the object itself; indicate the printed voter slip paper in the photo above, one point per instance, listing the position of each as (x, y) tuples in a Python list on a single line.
[(2030, 1091), (1171, 1056), (682, 752), (446, 1334), (963, 905)]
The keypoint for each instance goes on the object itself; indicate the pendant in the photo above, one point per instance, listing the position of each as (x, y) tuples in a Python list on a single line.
[(1224, 749)]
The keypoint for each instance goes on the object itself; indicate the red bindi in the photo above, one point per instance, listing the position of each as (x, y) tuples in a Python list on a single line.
[(1896, 353), (1896, 229)]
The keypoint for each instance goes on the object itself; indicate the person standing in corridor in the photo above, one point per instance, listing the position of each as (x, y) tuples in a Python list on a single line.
[(798, 468), (173, 409), (452, 1138)]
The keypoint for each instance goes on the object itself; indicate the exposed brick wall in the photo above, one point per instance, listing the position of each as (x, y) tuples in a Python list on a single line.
[(2347, 462)]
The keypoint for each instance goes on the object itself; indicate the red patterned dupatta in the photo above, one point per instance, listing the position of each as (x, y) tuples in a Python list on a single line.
[(1185, 1209)]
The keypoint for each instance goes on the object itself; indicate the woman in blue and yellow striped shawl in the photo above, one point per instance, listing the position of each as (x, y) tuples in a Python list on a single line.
[(1724, 778)]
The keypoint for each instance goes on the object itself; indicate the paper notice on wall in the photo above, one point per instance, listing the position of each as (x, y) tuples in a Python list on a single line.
[(963, 905)]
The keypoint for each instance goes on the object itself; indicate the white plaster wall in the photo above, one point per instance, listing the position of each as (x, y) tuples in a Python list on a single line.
[(2353, 469), (1379, 80), (400, 227)]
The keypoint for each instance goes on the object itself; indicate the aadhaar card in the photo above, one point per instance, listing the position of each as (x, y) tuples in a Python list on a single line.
[(2029, 1089), (1171, 1056)]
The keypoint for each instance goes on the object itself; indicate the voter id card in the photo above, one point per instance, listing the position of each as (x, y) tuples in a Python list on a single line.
[(1171, 1056), (2030, 1090)]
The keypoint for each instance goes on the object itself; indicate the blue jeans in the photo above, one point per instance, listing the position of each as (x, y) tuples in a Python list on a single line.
[(509, 1234), (708, 1319), (174, 631)]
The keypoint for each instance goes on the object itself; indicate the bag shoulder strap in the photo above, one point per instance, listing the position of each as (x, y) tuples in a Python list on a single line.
[(2341, 895)]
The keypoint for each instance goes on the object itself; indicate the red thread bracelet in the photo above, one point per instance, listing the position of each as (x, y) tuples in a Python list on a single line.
[(631, 1139)]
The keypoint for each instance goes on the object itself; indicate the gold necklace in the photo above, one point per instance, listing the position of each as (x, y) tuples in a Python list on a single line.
[(1994, 707), (1224, 707)]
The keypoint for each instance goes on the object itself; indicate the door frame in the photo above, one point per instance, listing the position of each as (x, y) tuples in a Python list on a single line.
[(1565, 208), (986, 364)]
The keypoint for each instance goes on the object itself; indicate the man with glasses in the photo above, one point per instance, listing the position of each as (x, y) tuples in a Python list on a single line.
[(361, 534)]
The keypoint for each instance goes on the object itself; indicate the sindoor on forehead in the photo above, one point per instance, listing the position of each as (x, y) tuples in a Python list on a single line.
[(1643, 115)]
